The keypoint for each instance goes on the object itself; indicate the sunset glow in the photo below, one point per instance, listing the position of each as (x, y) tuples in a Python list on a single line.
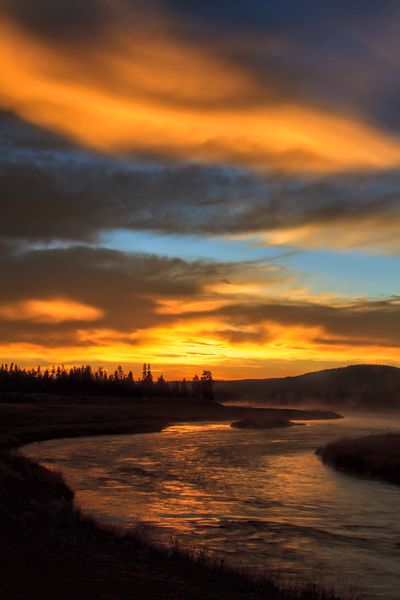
[(181, 197), (49, 311), (145, 105)]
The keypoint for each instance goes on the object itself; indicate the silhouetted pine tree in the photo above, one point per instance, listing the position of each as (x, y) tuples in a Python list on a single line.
[(85, 380), (162, 387), (196, 387), (207, 386), (184, 389)]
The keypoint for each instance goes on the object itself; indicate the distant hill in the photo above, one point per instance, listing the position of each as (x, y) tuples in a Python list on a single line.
[(374, 387)]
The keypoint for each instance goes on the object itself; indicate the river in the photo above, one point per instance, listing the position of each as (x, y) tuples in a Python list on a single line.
[(258, 498)]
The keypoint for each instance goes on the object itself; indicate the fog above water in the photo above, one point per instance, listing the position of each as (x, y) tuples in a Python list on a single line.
[(260, 498)]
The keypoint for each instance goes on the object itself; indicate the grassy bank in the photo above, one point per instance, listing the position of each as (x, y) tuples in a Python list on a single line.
[(373, 455), (23, 423), (54, 552)]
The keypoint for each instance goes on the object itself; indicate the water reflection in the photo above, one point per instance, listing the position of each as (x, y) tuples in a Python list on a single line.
[(261, 498)]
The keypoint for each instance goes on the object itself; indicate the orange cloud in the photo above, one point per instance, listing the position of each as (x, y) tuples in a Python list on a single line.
[(49, 311), (375, 234), (148, 91)]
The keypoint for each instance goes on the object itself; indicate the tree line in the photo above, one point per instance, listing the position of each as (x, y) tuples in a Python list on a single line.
[(89, 381)]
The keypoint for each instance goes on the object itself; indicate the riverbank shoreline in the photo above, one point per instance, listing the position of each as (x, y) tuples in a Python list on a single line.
[(373, 456), (53, 551), (30, 418)]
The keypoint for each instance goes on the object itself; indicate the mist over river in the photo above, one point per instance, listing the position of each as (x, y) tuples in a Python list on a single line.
[(260, 498)]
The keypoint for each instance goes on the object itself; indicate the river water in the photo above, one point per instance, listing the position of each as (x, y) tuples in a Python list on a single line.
[(258, 498)]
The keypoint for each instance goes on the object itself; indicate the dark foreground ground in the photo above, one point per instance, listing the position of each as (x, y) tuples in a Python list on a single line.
[(375, 456), (50, 551)]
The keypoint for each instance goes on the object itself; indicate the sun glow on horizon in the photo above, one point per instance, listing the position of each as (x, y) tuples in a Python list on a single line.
[(185, 349)]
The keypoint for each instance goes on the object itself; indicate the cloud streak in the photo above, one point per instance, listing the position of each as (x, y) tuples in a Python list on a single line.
[(172, 98), (70, 194)]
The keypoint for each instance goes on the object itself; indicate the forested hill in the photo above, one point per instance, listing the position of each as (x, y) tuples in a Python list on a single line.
[(373, 387)]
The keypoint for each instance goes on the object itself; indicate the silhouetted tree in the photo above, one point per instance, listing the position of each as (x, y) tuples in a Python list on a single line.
[(175, 390), (162, 387), (86, 380), (146, 383), (149, 376), (207, 386), (196, 387), (184, 389)]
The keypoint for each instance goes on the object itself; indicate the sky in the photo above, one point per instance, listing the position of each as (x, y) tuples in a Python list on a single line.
[(200, 185)]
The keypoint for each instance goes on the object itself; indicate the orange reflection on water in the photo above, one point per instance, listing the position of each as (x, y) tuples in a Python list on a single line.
[(261, 498)]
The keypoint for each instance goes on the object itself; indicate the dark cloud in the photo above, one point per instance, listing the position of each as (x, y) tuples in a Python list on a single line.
[(373, 322), (299, 17), (337, 55), (66, 193), (50, 190), (48, 335), (127, 288), (354, 342), (238, 336), (60, 20), (302, 19)]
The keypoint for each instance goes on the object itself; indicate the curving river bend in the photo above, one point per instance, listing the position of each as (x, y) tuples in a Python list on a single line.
[(256, 497)]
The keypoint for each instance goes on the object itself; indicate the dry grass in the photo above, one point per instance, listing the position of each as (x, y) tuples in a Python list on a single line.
[(373, 455)]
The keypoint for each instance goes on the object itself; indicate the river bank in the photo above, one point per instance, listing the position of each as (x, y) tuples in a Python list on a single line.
[(29, 418), (376, 456), (53, 551)]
